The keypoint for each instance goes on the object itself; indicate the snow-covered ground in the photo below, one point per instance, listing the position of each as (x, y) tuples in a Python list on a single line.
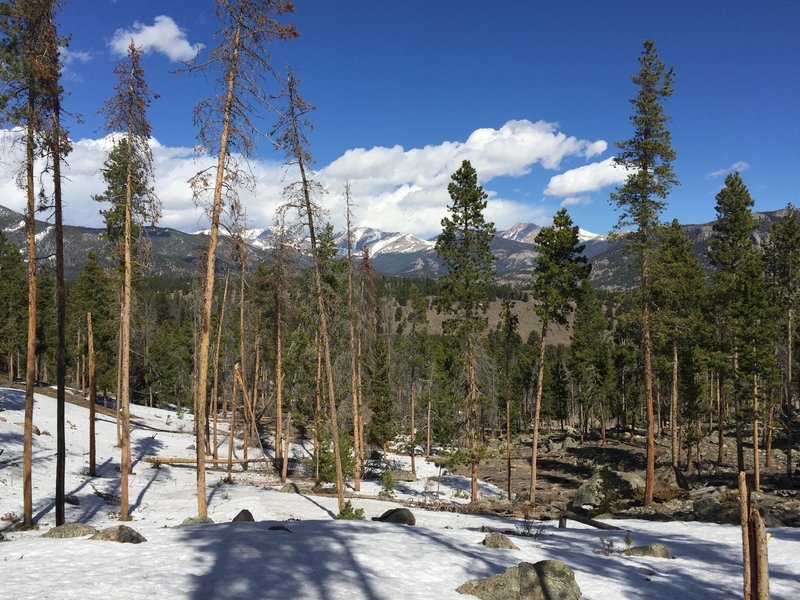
[(319, 557)]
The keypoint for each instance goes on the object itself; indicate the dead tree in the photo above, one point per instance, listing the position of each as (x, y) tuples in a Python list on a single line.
[(242, 60)]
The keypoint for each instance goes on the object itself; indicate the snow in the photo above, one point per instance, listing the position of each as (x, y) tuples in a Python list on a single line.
[(319, 557)]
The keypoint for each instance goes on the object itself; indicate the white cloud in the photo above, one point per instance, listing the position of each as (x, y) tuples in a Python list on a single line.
[(575, 201), (162, 36), (585, 179), (69, 57), (737, 166), (394, 189)]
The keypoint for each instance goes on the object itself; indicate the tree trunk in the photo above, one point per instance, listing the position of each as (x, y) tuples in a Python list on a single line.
[(789, 396), (737, 404), (536, 412), (720, 421), (92, 394), (61, 315), (125, 327), (215, 386), (756, 456), (353, 371), (473, 421), (508, 435), (649, 480), (279, 455), (321, 308), (232, 426), (30, 364), (768, 440), (413, 437), (673, 406), (744, 516), (208, 283)]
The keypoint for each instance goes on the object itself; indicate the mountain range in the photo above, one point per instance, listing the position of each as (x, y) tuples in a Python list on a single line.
[(175, 253)]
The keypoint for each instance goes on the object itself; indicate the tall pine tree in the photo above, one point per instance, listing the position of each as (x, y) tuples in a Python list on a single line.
[(560, 271), (464, 247), (647, 157)]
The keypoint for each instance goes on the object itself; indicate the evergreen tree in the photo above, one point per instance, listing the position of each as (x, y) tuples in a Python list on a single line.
[(383, 424), (590, 353), (647, 157), (560, 270), (782, 259), (464, 247), (678, 297), (12, 303), (741, 302)]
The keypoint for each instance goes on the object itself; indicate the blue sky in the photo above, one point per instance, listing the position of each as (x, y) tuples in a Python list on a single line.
[(534, 93)]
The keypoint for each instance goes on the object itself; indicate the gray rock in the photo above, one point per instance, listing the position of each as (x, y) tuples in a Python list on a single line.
[(717, 508), (243, 516), (606, 487), (403, 476), (545, 580), (290, 488), (397, 515), (72, 500), (34, 428), (570, 443), (495, 539), (656, 550), (70, 530), (120, 533), (197, 521)]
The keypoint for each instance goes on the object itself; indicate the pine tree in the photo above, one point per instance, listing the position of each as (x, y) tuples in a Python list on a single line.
[(742, 307), (590, 353), (647, 157), (782, 259), (464, 247), (126, 111), (560, 271), (678, 297), (383, 424), (12, 303)]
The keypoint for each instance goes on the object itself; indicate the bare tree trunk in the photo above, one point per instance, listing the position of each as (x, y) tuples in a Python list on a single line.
[(508, 435), (30, 364), (285, 456), (232, 425), (720, 421), (737, 403), (768, 441), (300, 156), (61, 315), (413, 426), (473, 420), (428, 430), (125, 328), (92, 394), (649, 481), (789, 396), (317, 406), (673, 406), (744, 515), (756, 455), (279, 455), (119, 379), (215, 388), (536, 413), (353, 371)]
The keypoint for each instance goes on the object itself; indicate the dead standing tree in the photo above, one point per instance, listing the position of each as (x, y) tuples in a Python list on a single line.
[(23, 66), (226, 123), (126, 112), (292, 138)]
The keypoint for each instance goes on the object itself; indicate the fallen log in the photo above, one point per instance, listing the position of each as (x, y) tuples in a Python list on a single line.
[(586, 521), (157, 461)]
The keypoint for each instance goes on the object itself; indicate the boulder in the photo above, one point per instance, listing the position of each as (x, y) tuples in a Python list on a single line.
[(403, 476), (717, 507), (545, 580), (605, 488), (120, 533), (666, 479), (397, 515), (72, 500), (34, 428), (290, 488), (70, 530), (197, 521), (656, 550), (495, 539), (243, 516)]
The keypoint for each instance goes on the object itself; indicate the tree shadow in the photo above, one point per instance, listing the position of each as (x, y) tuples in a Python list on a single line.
[(12, 399)]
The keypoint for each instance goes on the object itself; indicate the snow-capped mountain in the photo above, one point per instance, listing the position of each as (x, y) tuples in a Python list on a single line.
[(380, 242), (526, 233)]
